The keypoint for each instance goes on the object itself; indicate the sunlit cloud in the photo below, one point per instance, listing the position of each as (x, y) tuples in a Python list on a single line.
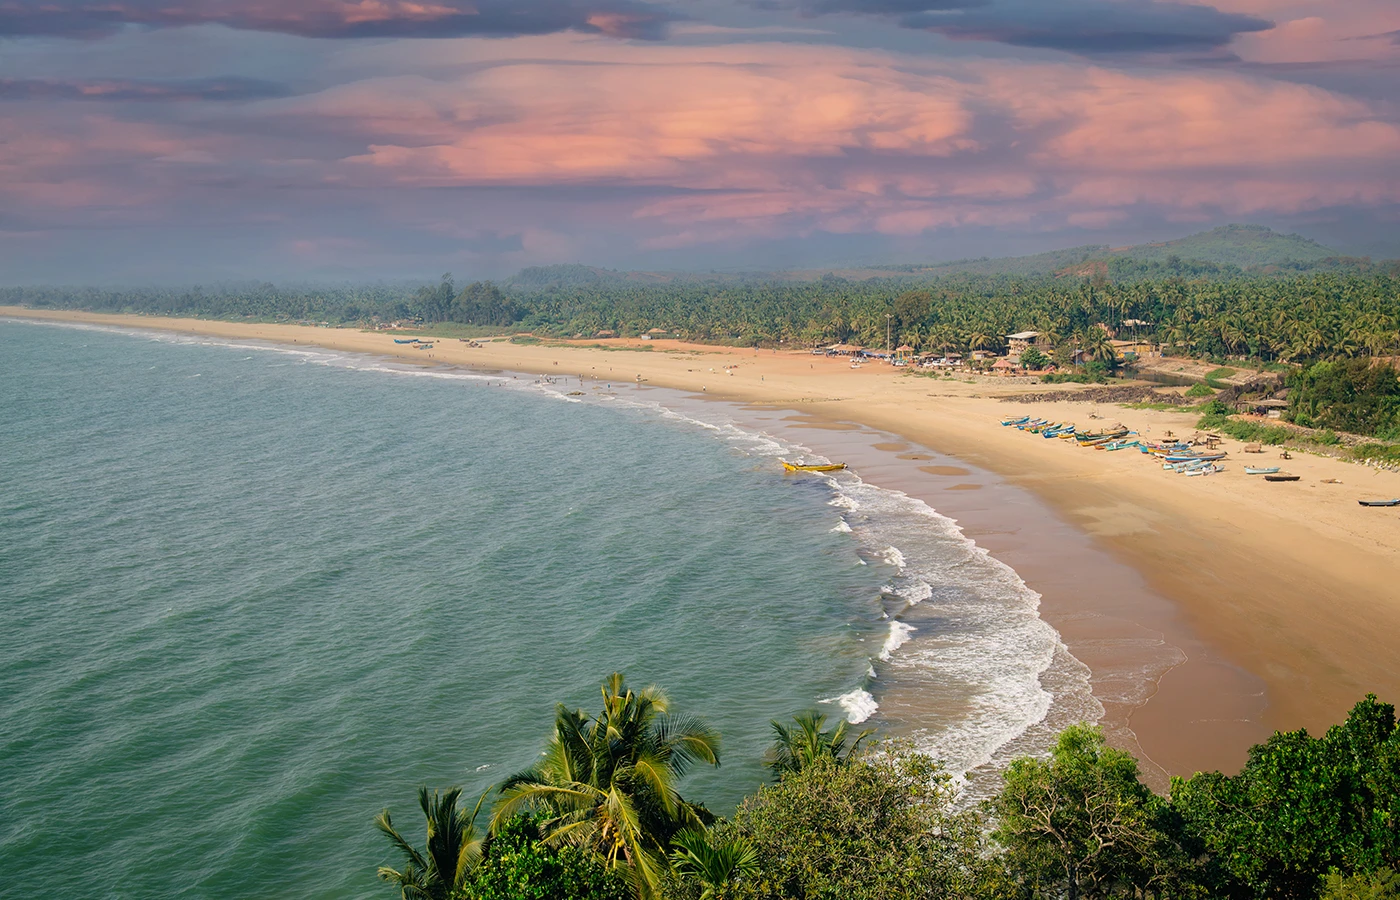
[(548, 133)]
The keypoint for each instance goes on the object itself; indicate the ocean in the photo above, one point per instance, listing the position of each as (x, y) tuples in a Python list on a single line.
[(254, 594)]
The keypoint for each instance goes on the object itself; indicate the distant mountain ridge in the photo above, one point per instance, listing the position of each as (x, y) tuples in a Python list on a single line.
[(1220, 252), (1246, 248)]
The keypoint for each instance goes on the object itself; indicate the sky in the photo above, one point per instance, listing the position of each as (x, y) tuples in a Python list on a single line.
[(146, 141)]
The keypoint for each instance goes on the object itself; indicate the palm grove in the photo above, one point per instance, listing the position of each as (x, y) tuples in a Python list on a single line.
[(600, 816), (1303, 321)]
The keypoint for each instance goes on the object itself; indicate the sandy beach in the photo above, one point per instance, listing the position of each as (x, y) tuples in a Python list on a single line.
[(1281, 598)]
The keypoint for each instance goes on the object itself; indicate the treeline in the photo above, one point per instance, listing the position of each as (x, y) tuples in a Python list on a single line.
[(262, 301), (599, 817), (1354, 395), (1302, 319)]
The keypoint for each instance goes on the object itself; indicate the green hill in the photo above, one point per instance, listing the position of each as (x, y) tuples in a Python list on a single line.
[(1244, 246), (1227, 251)]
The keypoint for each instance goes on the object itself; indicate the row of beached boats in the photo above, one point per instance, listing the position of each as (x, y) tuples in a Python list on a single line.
[(1181, 457), (418, 343)]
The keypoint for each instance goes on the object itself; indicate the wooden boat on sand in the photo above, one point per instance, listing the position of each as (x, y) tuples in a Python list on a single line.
[(1266, 470), (1395, 502), (813, 467), (1281, 476)]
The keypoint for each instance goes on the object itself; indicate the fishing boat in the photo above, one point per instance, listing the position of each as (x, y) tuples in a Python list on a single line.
[(1192, 457), (1059, 431), (409, 341), (1033, 423), (1395, 502), (1208, 469), (1256, 470), (813, 467), (423, 346), (1120, 445), (1281, 476), (1095, 436), (1018, 421)]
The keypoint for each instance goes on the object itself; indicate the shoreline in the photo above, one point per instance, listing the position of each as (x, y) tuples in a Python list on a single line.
[(1282, 590)]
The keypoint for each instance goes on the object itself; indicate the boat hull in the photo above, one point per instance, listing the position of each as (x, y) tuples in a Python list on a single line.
[(797, 467)]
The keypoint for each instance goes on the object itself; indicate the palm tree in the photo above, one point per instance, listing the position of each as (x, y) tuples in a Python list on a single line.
[(794, 749), (715, 862), (1097, 346), (453, 848), (609, 782)]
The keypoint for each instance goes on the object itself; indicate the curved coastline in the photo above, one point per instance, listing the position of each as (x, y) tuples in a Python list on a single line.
[(1280, 625)]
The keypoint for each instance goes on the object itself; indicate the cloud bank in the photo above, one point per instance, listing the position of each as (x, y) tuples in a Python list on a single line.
[(1076, 26), (548, 134), (340, 18)]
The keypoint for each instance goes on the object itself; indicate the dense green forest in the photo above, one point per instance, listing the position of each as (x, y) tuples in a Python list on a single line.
[(600, 817), (1302, 318)]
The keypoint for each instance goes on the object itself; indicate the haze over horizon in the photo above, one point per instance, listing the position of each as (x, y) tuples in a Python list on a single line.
[(341, 139)]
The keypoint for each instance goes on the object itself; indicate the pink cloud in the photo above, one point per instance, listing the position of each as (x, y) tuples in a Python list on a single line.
[(741, 141), (780, 137)]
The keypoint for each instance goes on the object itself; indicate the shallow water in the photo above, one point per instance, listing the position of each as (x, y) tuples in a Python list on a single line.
[(255, 594)]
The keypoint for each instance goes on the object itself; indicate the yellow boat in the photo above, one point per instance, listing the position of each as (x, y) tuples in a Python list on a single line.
[(802, 467)]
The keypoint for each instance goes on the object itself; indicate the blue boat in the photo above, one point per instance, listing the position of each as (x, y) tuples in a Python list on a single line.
[(1193, 457), (409, 341), (1021, 420)]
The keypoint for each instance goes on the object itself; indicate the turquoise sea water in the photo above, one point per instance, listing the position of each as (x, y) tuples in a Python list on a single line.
[(251, 596)]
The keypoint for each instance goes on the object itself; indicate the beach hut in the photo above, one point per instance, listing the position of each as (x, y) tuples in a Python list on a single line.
[(1005, 366), (903, 354)]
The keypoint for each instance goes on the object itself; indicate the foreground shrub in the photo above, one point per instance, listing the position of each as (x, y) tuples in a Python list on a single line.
[(879, 827), (517, 865), (1301, 807), (1382, 885), (1081, 824)]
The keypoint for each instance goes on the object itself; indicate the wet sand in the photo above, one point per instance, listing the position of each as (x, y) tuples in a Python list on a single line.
[(1178, 704)]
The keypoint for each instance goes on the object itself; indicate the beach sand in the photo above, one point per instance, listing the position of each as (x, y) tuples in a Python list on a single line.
[(1244, 606)]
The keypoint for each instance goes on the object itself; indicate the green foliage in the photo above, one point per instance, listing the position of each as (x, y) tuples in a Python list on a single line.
[(518, 865), (1034, 359), (1199, 390), (1081, 824), (608, 782), (605, 822), (716, 864), (1381, 885), (1240, 429), (1301, 807), (440, 871), (878, 828), (1347, 395), (796, 748), (1382, 452)]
